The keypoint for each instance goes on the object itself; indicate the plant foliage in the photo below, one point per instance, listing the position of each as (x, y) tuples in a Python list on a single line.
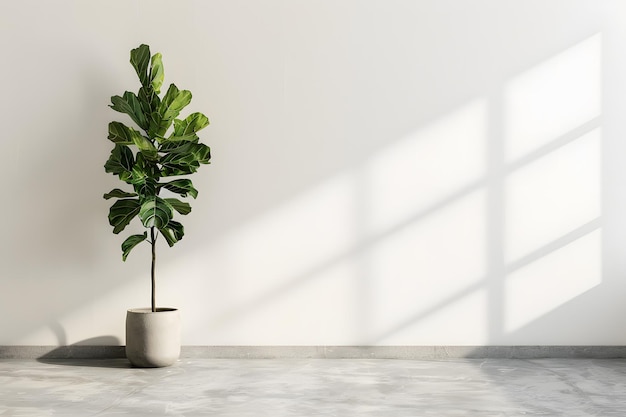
[(145, 156)]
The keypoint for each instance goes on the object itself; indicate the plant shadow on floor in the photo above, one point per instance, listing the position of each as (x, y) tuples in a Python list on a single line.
[(101, 352)]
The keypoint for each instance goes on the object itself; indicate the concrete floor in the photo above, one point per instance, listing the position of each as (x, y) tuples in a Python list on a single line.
[(315, 387)]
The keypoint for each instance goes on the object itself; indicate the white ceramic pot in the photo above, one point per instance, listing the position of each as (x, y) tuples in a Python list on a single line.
[(152, 338)]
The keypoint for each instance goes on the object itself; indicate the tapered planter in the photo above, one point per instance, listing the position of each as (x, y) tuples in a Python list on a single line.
[(152, 338)]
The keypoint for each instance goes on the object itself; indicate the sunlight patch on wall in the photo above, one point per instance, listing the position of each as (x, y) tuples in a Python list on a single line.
[(553, 98), (553, 196), (426, 167), (422, 265), (317, 311), (542, 286), (353, 245), (294, 238), (462, 322), (279, 272)]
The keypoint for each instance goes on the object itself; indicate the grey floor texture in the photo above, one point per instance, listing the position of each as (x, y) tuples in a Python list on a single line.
[(315, 387)]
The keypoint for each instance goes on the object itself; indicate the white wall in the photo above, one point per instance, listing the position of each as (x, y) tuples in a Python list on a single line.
[(384, 172)]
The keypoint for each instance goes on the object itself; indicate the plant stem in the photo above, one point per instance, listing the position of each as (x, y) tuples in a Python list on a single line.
[(153, 242)]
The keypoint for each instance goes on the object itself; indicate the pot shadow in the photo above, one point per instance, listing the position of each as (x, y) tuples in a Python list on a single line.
[(100, 352)]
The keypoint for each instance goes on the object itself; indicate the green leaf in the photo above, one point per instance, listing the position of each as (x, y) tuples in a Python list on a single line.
[(185, 130), (176, 147), (139, 59), (120, 161), (131, 242), (146, 189), (181, 187), (149, 166), (196, 153), (171, 105), (173, 170), (184, 160), (146, 147), (130, 105), (156, 73), (122, 212), (136, 176), (173, 232), (122, 134), (117, 193), (156, 212), (144, 171), (180, 206), (150, 101)]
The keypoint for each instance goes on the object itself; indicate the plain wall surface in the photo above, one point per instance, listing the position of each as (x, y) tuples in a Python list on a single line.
[(384, 172)]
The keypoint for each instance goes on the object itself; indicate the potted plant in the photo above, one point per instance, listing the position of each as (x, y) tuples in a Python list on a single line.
[(153, 162)]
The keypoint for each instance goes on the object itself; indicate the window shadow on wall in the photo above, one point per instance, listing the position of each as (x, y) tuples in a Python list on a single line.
[(471, 228)]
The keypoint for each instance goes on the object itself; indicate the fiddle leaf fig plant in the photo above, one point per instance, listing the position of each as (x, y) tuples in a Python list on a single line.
[(147, 158)]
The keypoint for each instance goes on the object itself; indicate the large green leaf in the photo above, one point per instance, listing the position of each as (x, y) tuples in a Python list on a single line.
[(139, 59), (131, 242), (130, 105), (179, 162), (121, 160), (156, 72), (117, 193), (180, 206), (173, 232), (122, 134), (177, 147), (144, 171), (196, 153), (136, 176), (185, 130), (122, 212), (156, 212), (171, 105), (146, 189), (173, 170), (149, 166), (147, 149), (149, 100), (181, 187)]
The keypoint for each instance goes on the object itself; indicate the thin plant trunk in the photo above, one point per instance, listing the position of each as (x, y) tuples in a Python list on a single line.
[(153, 241)]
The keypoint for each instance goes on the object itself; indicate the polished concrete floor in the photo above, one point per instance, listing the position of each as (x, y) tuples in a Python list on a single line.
[(315, 387)]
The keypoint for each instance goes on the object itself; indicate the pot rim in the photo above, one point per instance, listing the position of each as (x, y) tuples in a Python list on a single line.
[(148, 310)]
